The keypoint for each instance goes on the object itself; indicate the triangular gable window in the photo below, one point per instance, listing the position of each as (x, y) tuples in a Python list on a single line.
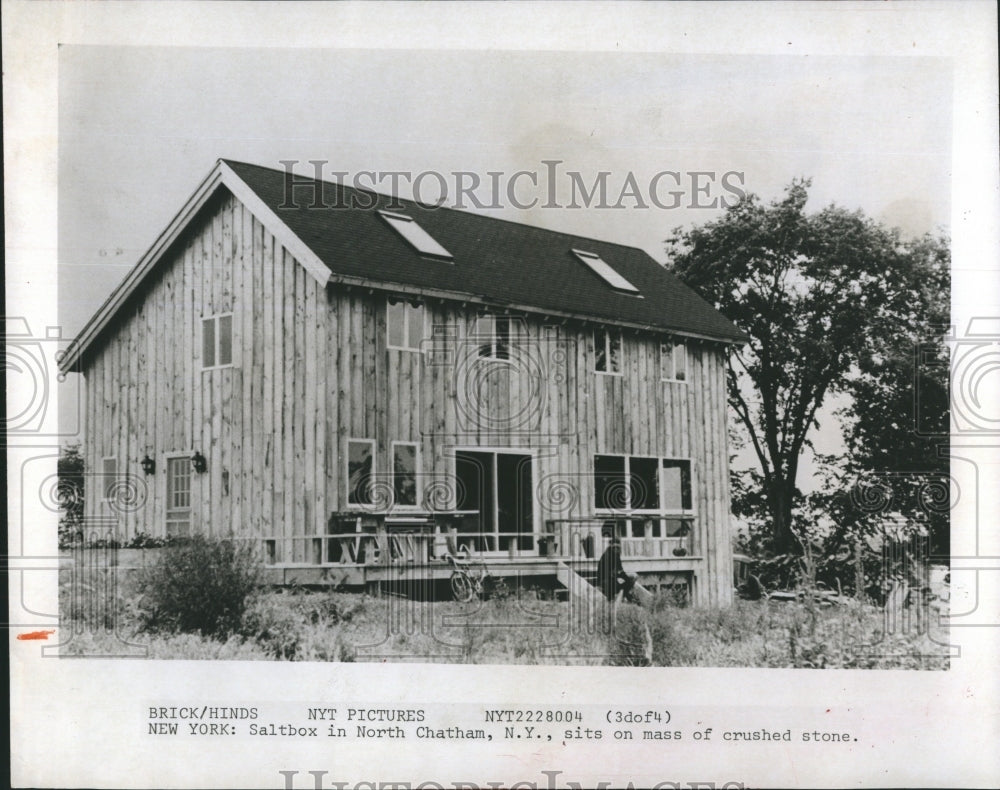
[(418, 238), (603, 270)]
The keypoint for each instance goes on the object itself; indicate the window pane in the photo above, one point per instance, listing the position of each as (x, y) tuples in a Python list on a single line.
[(502, 337), (601, 351), (404, 473), (110, 470), (208, 343), (225, 340), (667, 361), (474, 491), (680, 362), (178, 483), (614, 352), (415, 316), (419, 238), (484, 335), (603, 270), (359, 473), (395, 317), (677, 485), (610, 491), (645, 491)]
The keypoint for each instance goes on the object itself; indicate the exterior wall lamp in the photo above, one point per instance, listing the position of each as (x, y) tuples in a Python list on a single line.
[(198, 462), (148, 465)]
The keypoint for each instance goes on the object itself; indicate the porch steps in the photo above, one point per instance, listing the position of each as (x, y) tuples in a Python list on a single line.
[(589, 609)]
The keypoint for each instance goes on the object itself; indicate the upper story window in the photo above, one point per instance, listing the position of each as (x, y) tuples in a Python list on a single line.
[(419, 239), (673, 362), (405, 324), (608, 351), (493, 334), (217, 341), (606, 272)]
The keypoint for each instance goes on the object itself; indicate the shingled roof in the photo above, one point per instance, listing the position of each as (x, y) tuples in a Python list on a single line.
[(493, 260)]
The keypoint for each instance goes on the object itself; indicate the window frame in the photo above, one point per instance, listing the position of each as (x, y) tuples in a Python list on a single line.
[(494, 344), (661, 510), (608, 333), (391, 302), (417, 487), (673, 346), (347, 471), (609, 275), (217, 335), (399, 222), (167, 510), (682, 511)]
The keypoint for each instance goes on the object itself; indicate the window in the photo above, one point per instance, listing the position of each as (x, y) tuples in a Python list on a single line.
[(109, 478), (217, 341), (493, 336), (178, 495), (404, 473), (608, 351), (676, 485), (637, 483), (360, 471), (673, 362), (603, 270), (610, 491), (418, 238), (405, 324), (644, 488)]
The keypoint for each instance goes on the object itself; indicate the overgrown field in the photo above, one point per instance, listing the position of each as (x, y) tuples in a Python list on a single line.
[(112, 610)]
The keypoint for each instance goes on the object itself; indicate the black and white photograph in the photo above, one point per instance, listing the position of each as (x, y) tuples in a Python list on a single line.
[(421, 404)]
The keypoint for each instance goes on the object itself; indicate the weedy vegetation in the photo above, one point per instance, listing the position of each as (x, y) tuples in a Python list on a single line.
[(203, 600)]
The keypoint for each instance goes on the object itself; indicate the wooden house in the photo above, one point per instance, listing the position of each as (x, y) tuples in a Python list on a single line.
[(358, 383)]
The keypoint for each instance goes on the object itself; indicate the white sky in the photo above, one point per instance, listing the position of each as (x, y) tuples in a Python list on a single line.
[(139, 127)]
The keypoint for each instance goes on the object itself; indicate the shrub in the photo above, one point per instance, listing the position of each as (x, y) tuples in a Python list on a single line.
[(204, 585), (275, 625)]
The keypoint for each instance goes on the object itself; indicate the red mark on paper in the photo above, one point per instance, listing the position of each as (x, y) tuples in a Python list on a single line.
[(36, 634)]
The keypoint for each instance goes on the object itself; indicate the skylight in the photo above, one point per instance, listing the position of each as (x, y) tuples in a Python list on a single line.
[(601, 268), (418, 238)]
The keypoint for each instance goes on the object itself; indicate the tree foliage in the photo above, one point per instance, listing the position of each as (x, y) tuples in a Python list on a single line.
[(828, 299), (70, 469)]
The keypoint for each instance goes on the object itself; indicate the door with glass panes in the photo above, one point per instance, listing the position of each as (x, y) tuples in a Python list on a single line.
[(496, 485)]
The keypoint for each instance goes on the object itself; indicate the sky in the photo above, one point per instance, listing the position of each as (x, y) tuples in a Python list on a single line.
[(140, 127)]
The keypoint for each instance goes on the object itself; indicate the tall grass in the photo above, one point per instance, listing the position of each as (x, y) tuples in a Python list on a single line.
[(304, 625)]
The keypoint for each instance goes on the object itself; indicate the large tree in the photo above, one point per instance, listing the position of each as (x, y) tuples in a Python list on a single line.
[(821, 296), (897, 421)]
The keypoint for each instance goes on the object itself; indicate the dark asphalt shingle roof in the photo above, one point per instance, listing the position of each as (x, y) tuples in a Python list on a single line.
[(499, 261)]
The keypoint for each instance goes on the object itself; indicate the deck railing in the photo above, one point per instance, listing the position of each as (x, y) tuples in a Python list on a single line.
[(374, 540), (640, 536)]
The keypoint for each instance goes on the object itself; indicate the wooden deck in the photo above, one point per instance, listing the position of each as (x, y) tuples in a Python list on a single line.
[(380, 555)]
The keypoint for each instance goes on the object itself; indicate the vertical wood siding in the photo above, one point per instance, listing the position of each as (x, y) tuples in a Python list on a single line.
[(311, 370)]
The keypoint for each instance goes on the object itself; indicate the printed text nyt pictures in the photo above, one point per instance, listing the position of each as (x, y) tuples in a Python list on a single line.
[(229, 713)]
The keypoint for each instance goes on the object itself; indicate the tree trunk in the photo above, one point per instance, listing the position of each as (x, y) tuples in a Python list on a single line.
[(780, 504)]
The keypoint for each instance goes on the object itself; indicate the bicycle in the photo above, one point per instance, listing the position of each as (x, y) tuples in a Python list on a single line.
[(469, 577)]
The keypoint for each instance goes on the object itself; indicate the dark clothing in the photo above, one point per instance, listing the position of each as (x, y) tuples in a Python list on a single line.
[(611, 576)]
